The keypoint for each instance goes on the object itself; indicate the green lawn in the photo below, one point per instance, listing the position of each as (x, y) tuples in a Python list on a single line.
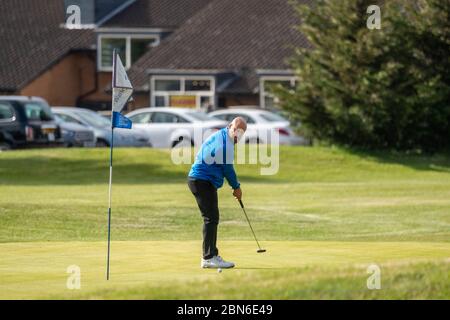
[(326, 216)]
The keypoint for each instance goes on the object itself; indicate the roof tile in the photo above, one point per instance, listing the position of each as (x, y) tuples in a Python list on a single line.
[(229, 35)]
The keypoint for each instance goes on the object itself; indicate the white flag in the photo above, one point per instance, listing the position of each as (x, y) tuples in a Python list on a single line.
[(121, 85)]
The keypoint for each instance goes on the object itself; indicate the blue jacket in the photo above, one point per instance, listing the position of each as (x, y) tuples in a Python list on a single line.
[(214, 161)]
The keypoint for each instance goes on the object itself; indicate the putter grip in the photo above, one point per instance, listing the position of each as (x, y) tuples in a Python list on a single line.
[(242, 205)]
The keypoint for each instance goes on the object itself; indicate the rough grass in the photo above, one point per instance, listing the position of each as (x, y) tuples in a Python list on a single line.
[(321, 195)]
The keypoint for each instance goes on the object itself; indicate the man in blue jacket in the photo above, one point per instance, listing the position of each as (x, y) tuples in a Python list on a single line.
[(213, 163)]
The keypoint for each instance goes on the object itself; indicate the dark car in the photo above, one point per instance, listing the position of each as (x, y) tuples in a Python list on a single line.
[(27, 122)]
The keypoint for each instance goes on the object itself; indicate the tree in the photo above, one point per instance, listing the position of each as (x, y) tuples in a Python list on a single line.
[(386, 88)]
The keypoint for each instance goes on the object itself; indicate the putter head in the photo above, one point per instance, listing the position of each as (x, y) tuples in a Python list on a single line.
[(261, 250)]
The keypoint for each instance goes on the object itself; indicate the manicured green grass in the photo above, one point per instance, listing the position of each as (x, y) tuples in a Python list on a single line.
[(55, 201), (170, 269)]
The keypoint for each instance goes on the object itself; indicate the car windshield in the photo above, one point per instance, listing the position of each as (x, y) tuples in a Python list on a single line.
[(93, 118), (272, 117), (37, 111), (58, 118), (201, 116)]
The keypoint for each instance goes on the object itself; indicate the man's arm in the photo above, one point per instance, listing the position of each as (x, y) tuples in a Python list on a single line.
[(231, 177)]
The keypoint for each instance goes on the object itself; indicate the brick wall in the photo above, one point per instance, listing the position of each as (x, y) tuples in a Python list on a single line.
[(64, 82)]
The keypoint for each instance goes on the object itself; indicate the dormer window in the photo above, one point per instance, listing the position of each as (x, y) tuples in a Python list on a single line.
[(130, 48)]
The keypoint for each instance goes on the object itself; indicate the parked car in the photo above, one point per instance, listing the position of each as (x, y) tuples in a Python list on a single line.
[(27, 122), (173, 127), (105, 114), (102, 128), (261, 124), (74, 134)]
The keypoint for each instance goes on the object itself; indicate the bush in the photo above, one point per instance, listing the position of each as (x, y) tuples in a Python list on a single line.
[(383, 89)]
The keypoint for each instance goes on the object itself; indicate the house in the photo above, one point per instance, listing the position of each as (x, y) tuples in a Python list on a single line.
[(188, 53), (226, 54)]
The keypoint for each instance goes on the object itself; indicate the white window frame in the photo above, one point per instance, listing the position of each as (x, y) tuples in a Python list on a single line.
[(262, 92), (127, 38), (182, 92)]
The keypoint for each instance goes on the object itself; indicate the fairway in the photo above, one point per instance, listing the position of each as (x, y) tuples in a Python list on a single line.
[(324, 218)]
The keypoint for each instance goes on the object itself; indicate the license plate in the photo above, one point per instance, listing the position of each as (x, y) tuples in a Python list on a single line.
[(48, 128), (51, 137)]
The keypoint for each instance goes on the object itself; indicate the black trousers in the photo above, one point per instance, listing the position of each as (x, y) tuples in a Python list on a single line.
[(206, 195)]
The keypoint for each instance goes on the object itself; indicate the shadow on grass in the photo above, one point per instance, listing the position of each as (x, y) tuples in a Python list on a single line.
[(421, 162), (259, 268), (41, 170)]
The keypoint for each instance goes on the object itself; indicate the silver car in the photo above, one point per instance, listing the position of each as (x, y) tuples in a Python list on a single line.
[(74, 134), (102, 128), (175, 127)]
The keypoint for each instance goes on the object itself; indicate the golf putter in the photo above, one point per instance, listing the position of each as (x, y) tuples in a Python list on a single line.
[(248, 220)]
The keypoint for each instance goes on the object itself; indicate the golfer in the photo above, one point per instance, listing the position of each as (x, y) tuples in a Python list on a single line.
[(213, 163)]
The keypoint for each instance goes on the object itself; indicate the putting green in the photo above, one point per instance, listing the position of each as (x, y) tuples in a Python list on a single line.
[(38, 269)]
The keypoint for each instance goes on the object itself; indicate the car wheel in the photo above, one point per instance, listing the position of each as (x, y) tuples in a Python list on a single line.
[(4, 146)]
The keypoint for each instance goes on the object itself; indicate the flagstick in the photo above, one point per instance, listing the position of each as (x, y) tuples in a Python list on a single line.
[(109, 208), (118, 101), (110, 168)]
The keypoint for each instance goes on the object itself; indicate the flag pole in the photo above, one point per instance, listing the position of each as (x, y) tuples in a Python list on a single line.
[(109, 207), (110, 174), (121, 93)]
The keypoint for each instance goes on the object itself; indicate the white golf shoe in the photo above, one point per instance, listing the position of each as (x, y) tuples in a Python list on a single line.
[(216, 262)]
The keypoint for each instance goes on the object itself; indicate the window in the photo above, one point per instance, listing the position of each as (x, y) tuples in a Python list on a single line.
[(197, 115), (267, 99), (139, 47), (181, 119), (108, 46), (230, 117), (247, 118), (167, 85), (221, 116), (186, 92), (6, 111), (68, 118), (269, 84), (163, 117), (160, 101), (94, 119), (272, 117), (36, 111), (141, 118), (198, 85), (130, 48)]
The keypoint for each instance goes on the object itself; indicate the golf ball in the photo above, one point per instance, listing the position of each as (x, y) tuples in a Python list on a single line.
[(219, 270)]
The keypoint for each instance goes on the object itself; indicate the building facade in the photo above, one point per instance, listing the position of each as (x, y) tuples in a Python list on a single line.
[(181, 53)]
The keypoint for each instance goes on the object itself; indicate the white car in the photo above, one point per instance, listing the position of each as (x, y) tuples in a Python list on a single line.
[(261, 125), (174, 127)]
